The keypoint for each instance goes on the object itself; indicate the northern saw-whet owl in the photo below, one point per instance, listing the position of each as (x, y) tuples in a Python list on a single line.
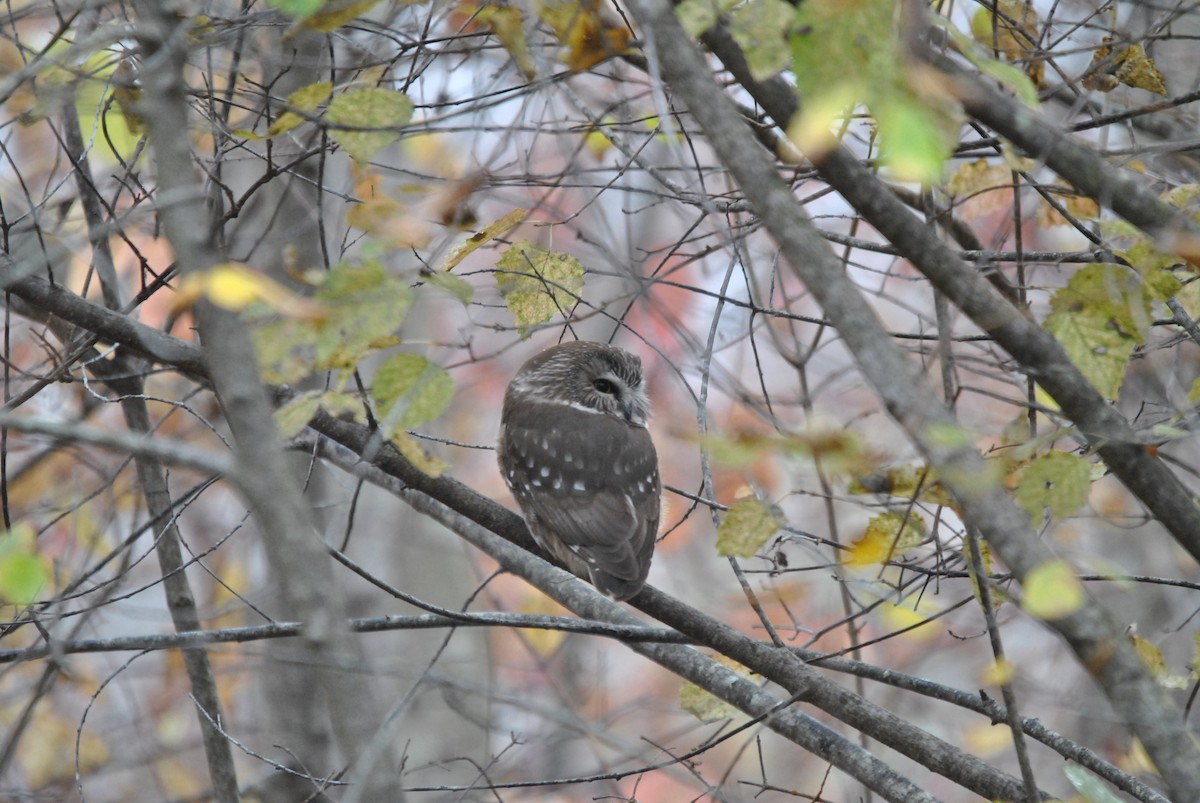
[(576, 454)]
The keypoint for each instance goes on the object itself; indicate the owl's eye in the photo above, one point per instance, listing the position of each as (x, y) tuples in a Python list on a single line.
[(605, 386)]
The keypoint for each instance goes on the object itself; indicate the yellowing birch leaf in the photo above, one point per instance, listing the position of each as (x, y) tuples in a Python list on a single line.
[(1127, 65), (887, 534), (410, 390), (998, 673), (1052, 590), (235, 286), (507, 23), (304, 99), (372, 118), (748, 524), (760, 27), (482, 237), (336, 13), (1012, 31), (538, 284), (591, 32), (414, 453), (1152, 657), (545, 642), (1078, 206), (293, 417), (697, 16), (980, 188), (1056, 481), (705, 706)]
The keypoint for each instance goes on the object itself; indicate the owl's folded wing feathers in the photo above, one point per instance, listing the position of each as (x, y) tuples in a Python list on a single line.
[(594, 487)]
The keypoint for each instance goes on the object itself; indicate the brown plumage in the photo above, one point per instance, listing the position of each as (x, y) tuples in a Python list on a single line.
[(575, 451)]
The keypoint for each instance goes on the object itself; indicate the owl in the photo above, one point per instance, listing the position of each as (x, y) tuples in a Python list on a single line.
[(575, 451)]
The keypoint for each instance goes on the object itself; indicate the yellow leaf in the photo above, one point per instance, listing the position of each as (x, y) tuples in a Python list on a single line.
[(507, 24), (705, 706), (998, 673), (336, 13), (1152, 657), (1128, 65), (985, 739), (596, 141), (482, 237), (904, 482), (980, 188), (42, 755), (1052, 590), (1078, 206), (1056, 481), (916, 624), (591, 32), (422, 460), (1012, 32), (748, 524), (304, 99), (887, 534), (544, 642), (761, 28), (235, 286)]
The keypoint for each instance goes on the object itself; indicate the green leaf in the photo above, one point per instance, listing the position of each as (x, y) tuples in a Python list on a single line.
[(294, 416), (367, 307), (107, 129), (706, 706), (371, 108), (297, 9), (1113, 293), (1057, 481), (747, 525), (760, 28), (697, 16), (1090, 787), (284, 347), (1099, 352), (410, 390), (1052, 590), (449, 283), (537, 284), (23, 573), (336, 13), (914, 138), (848, 52)]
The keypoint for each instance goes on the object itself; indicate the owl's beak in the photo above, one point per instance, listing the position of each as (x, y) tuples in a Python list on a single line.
[(629, 409)]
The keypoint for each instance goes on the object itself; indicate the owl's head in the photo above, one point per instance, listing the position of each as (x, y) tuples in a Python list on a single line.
[(593, 377)]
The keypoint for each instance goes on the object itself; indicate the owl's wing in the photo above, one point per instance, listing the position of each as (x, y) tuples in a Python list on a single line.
[(591, 482)]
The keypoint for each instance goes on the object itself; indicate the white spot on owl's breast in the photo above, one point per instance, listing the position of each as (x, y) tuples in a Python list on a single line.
[(579, 485), (545, 472)]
